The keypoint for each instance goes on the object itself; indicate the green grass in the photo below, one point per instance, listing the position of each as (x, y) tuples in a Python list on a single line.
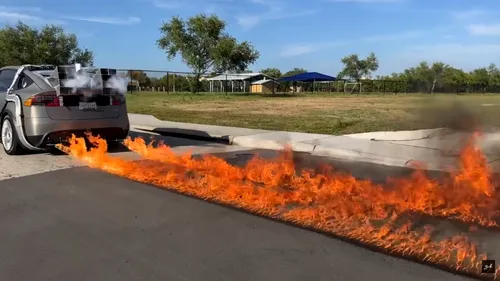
[(325, 113)]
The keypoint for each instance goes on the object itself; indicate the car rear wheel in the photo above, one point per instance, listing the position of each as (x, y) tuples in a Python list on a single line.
[(113, 146), (10, 140)]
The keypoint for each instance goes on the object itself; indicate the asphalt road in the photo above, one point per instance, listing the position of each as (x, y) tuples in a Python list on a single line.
[(83, 224)]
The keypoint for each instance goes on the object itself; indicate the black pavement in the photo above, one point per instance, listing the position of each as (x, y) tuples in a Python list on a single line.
[(83, 224)]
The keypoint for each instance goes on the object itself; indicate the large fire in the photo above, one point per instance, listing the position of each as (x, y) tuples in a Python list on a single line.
[(383, 216)]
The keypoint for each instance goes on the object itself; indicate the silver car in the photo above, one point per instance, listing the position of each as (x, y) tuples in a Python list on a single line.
[(42, 105)]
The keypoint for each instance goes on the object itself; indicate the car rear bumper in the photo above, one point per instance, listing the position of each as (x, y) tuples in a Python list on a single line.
[(45, 131)]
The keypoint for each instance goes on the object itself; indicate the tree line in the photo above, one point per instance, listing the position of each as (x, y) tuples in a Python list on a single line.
[(424, 77), (205, 46), (23, 44)]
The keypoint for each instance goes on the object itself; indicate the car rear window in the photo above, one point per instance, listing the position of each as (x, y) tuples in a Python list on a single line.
[(6, 78)]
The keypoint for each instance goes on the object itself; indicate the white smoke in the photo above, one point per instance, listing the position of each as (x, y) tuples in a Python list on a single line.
[(91, 78), (118, 83), (80, 80), (83, 78)]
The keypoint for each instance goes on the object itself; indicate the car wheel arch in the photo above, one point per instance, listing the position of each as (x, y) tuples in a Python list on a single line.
[(2, 116), (4, 113), (14, 109), (16, 147)]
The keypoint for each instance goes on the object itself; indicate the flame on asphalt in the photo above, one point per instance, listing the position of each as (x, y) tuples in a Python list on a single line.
[(330, 201)]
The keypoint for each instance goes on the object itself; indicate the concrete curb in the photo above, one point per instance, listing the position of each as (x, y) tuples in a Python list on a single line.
[(300, 144), (334, 152), (401, 135), (143, 118), (371, 147), (272, 144), (215, 133), (198, 135)]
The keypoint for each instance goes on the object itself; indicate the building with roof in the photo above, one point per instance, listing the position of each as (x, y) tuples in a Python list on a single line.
[(235, 82), (308, 77), (264, 86)]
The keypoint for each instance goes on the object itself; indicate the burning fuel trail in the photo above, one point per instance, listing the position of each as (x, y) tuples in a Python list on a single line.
[(382, 216)]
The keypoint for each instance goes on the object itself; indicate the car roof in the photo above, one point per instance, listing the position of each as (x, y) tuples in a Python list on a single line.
[(10, 67), (37, 79)]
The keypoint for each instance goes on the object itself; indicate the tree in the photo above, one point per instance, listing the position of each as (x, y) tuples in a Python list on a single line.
[(229, 55), (140, 76), (271, 72), (22, 44), (480, 77), (245, 71), (456, 77), (356, 68), (436, 74), (204, 45), (494, 74), (294, 71), (430, 75)]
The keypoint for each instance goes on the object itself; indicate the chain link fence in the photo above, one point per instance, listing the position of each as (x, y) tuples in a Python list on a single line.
[(162, 81), (389, 87), (186, 82), (415, 86)]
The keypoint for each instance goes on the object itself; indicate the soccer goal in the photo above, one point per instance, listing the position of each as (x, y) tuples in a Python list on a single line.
[(352, 87)]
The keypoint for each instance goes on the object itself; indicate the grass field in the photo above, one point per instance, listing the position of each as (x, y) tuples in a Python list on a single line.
[(321, 113)]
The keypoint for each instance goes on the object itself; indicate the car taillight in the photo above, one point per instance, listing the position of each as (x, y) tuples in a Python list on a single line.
[(117, 99), (44, 99)]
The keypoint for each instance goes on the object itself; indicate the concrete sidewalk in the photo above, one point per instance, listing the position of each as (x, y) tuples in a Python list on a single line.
[(152, 124), (437, 148)]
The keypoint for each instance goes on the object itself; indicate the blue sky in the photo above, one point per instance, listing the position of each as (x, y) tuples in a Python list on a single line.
[(311, 34)]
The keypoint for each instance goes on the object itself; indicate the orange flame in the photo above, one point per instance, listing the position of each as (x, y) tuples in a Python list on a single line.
[(330, 202)]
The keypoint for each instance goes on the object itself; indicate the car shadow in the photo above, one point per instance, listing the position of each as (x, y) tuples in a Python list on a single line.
[(171, 140), (195, 135)]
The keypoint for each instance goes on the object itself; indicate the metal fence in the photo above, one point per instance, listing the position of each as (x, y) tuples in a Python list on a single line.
[(160, 81), (415, 86), (389, 86), (186, 82)]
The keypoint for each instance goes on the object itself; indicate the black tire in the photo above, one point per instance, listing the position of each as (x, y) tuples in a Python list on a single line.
[(55, 151), (114, 145), (15, 147)]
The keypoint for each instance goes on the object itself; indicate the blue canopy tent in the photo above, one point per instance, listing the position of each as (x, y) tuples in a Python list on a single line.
[(308, 77)]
